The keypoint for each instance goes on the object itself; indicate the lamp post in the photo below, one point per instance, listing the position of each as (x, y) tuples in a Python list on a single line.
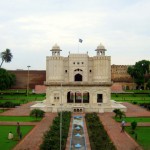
[(61, 118), (28, 81)]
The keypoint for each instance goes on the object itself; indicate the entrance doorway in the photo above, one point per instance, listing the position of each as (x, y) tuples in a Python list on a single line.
[(78, 77)]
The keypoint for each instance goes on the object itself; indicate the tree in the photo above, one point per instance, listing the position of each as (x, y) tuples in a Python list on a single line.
[(6, 56), (138, 72), (37, 113), (7, 79)]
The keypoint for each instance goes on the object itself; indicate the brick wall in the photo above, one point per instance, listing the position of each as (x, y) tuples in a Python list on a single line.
[(36, 77), (119, 76)]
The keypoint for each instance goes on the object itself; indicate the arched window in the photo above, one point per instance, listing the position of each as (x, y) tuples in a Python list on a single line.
[(78, 77), (70, 97), (86, 97), (78, 97)]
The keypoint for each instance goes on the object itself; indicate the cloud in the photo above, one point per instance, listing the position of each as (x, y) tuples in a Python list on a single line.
[(33, 27)]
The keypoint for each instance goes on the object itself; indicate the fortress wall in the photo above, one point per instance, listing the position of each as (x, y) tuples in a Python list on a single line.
[(119, 76), (36, 77)]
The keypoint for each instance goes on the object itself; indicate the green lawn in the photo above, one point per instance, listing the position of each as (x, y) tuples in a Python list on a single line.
[(1, 110), (143, 136), (19, 118), (6, 144), (21, 98), (137, 119)]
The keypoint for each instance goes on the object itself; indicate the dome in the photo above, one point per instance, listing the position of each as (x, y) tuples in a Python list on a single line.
[(101, 47), (56, 48)]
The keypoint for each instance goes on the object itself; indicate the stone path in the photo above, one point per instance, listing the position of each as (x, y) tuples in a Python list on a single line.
[(33, 140), (23, 110), (123, 141), (135, 110)]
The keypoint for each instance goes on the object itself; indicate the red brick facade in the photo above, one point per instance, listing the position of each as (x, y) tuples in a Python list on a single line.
[(36, 77)]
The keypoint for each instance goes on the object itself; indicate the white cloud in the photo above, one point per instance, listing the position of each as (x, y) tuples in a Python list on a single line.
[(33, 27)]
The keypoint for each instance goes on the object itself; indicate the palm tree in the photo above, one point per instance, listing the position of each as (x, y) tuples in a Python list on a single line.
[(119, 113), (6, 56)]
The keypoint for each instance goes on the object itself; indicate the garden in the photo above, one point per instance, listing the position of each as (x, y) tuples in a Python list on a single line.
[(51, 139), (98, 137), (5, 143), (138, 133)]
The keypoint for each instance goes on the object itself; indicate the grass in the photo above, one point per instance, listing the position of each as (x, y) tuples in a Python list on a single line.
[(21, 98), (6, 144), (19, 118), (2, 110), (143, 136), (139, 98), (137, 119), (138, 91)]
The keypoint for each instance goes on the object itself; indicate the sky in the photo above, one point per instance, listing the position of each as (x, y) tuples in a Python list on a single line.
[(29, 28)]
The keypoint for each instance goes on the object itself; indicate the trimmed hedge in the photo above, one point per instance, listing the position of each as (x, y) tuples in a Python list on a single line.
[(145, 105), (51, 139), (99, 140), (9, 105)]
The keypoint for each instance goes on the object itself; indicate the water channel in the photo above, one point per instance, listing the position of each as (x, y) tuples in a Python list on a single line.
[(78, 137)]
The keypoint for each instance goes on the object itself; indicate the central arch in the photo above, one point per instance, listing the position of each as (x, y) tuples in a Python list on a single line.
[(78, 77)]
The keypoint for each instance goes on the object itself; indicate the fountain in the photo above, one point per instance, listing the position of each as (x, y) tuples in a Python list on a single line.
[(78, 138), (77, 146), (77, 128), (78, 135)]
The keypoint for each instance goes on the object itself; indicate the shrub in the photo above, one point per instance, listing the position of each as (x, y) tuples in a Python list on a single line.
[(119, 113), (9, 105), (51, 139), (97, 134), (37, 113), (133, 125), (134, 102)]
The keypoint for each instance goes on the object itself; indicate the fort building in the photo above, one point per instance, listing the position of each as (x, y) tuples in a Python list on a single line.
[(78, 83)]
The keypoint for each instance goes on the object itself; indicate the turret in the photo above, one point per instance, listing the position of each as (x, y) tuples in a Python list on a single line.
[(100, 50), (55, 50)]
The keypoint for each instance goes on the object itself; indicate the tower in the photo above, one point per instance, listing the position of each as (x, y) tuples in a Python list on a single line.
[(100, 50), (55, 50)]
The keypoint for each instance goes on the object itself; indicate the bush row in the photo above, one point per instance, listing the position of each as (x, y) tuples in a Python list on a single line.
[(99, 139), (51, 139), (9, 105), (131, 94), (145, 105)]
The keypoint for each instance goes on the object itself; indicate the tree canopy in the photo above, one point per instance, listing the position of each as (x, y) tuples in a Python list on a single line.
[(6, 56), (138, 71), (7, 79)]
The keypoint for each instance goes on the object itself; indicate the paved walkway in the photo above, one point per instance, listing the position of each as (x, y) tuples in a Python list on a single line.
[(135, 110), (33, 140), (123, 141), (23, 110)]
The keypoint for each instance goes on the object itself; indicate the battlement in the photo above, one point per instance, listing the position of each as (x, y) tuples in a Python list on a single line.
[(54, 58), (102, 58)]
